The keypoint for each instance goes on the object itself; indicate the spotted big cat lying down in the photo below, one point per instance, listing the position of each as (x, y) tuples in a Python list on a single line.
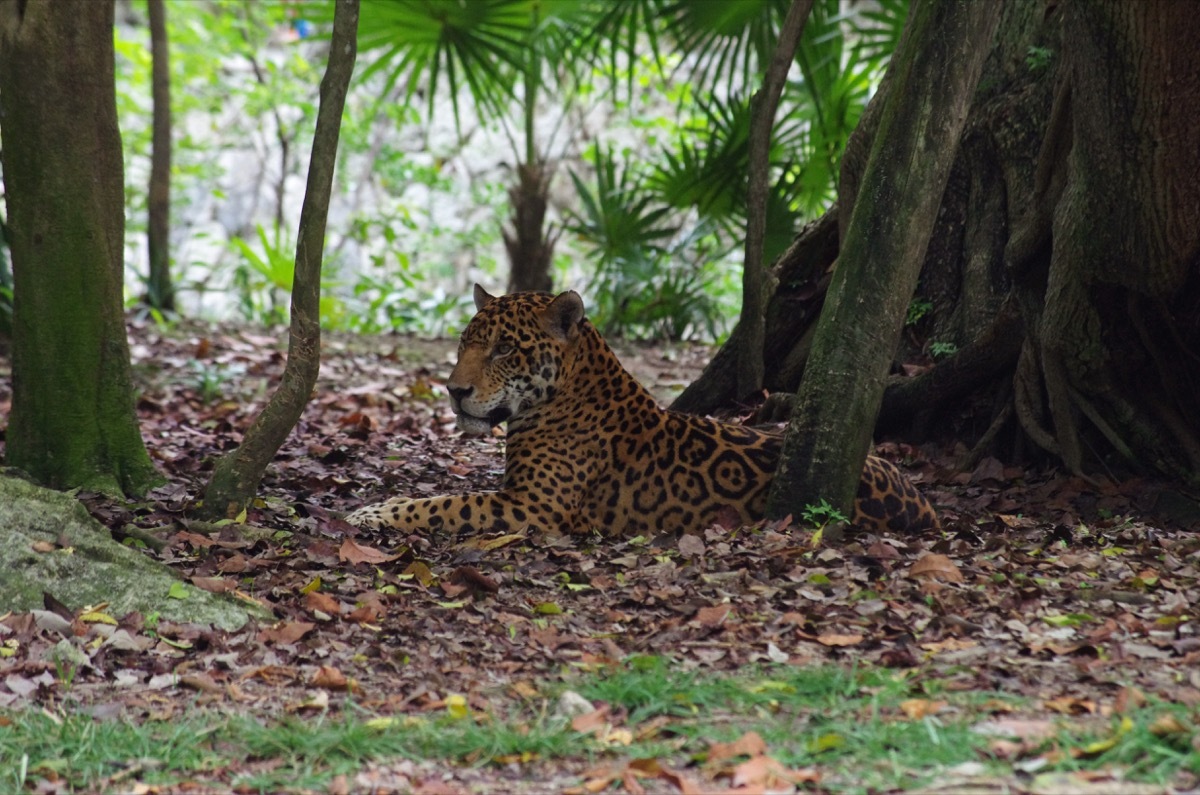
[(588, 447)]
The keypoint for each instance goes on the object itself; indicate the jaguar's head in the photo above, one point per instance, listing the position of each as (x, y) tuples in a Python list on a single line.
[(511, 356)]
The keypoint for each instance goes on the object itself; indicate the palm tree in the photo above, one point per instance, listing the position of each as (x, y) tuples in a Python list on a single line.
[(501, 51), (505, 53)]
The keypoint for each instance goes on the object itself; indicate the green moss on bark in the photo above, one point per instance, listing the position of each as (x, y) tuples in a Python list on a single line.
[(932, 78), (73, 422)]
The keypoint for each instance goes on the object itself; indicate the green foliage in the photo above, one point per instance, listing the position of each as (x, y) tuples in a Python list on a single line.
[(263, 280), (211, 379), (730, 41), (917, 309), (939, 350), (644, 282), (675, 76), (1038, 58), (411, 310), (484, 44), (821, 514), (704, 174), (877, 30)]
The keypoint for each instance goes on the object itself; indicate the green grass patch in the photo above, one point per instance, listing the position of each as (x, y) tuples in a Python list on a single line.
[(304, 753), (847, 722), (863, 729)]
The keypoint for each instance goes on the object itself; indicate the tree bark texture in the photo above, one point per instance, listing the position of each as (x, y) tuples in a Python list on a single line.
[(1107, 261), (755, 283), (160, 292), (1064, 262), (530, 246), (236, 477), (73, 422), (934, 74)]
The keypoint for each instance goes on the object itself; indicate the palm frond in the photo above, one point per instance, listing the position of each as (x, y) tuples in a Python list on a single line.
[(620, 219), (878, 31), (729, 40), (479, 44)]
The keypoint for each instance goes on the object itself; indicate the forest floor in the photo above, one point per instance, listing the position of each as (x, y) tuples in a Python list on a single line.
[(1043, 640)]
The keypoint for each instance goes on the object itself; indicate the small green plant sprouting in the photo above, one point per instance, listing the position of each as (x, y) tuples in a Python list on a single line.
[(939, 350), (822, 514), (1038, 58), (65, 668), (209, 379), (917, 309)]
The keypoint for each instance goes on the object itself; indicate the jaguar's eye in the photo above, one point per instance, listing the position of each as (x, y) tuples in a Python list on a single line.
[(503, 349)]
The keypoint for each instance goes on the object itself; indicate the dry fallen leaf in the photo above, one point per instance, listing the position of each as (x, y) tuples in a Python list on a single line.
[(766, 774), (215, 584), (839, 639), (749, 744), (592, 722), (918, 708), (691, 546), (286, 632), (712, 616), (936, 567), (353, 552), (315, 600), (331, 678), (1069, 705)]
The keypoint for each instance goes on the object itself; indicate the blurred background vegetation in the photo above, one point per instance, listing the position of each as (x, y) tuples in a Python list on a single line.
[(628, 119)]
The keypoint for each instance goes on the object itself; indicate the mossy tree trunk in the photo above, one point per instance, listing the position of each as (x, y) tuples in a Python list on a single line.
[(72, 422), (236, 477), (933, 76), (160, 290)]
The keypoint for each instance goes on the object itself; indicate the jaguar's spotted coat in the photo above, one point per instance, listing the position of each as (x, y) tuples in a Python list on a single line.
[(589, 448)]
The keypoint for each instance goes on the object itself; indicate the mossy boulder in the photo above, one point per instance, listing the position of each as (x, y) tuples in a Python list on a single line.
[(92, 568)]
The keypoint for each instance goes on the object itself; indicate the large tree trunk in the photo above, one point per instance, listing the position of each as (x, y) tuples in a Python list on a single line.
[(1106, 263), (1065, 261), (933, 76), (236, 476), (72, 421)]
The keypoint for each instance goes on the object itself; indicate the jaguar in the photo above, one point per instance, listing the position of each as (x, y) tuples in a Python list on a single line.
[(588, 447)]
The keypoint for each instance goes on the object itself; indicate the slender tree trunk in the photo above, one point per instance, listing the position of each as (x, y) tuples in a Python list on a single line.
[(72, 422), (933, 77), (530, 245), (160, 292), (755, 284), (236, 477)]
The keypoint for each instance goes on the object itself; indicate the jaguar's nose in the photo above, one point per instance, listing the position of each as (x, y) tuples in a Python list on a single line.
[(459, 393)]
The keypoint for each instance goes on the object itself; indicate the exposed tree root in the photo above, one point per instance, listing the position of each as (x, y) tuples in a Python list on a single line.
[(917, 402)]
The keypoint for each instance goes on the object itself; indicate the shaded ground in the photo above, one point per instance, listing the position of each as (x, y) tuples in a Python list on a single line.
[(1040, 585)]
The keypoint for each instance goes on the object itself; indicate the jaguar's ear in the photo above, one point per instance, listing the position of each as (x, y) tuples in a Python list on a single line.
[(482, 297), (563, 315)]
